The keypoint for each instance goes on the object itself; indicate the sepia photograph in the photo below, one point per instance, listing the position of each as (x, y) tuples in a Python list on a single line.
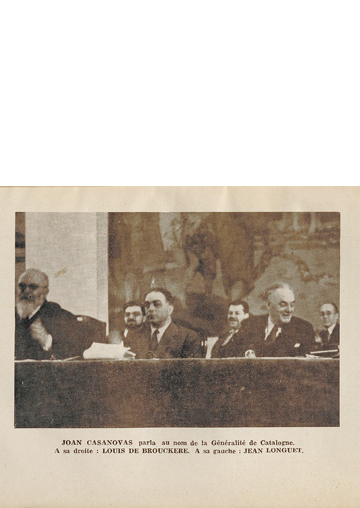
[(180, 247), (180, 347), (177, 319)]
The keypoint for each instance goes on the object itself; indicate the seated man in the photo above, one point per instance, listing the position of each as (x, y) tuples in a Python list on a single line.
[(330, 336), (278, 333), (163, 338), (135, 326), (43, 330), (230, 344)]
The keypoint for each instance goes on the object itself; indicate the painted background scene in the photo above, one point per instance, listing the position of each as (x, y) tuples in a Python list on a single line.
[(208, 259)]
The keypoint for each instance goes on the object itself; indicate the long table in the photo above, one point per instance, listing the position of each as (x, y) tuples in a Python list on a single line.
[(246, 392)]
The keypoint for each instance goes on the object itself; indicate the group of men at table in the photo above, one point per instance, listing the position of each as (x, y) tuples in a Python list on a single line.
[(43, 330)]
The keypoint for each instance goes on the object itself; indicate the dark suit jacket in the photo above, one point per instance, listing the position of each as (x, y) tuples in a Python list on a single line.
[(177, 342), (68, 337), (234, 348), (334, 337), (296, 338), (138, 341)]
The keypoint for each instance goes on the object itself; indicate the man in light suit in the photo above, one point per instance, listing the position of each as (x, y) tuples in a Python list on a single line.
[(166, 339), (278, 333)]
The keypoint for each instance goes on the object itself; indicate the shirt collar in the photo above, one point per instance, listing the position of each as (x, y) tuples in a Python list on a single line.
[(270, 325), (161, 329), (33, 313), (331, 328)]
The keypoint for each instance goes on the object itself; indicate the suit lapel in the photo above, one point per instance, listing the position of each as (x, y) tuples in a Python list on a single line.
[(263, 324), (169, 341)]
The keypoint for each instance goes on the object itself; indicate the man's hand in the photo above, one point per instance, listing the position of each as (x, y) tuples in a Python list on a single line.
[(318, 339), (128, 355), (39, 333)]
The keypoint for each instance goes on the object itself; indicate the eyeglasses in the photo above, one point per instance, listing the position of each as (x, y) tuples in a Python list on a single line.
[(32, 287)]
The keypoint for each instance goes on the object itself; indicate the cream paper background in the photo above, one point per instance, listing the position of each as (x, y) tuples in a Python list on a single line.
[(325, 475)]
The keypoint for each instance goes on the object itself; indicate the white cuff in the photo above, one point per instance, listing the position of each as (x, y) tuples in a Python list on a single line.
[(48, 343)]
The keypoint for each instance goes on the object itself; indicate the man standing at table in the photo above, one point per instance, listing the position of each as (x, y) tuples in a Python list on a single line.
[(166, 339), (278, 333), (230, 344), (43, 330)]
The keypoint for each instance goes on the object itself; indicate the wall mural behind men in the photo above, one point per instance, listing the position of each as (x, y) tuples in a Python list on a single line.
[(207, 259), (136, 252)]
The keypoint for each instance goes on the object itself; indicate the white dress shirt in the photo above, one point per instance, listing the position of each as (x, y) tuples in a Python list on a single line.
[(269, 327), (330, 330), (48, 341), (161, 330)]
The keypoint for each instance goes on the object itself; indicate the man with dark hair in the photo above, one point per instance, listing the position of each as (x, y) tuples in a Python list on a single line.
[(329, 316), (134, 317), (278, 333), (43, 330), (230, 344), (166, 339)]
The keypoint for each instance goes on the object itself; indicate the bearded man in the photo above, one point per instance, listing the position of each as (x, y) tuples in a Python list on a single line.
[(43, 330)]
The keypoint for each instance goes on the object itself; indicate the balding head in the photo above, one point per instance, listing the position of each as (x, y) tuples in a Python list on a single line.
[(35, 277), (32, 290)]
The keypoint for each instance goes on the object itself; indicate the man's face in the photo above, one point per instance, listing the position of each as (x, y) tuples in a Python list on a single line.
[(158, 309), (32, 290), (281, 306), (236, 315), (134, 317), (328, 315)]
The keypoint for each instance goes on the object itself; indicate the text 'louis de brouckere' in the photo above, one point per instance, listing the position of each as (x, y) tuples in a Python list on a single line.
[(214, 446)]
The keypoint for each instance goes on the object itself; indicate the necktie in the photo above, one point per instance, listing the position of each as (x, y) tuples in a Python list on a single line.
[(271, 338), (153, 343), (329, 336), (25, 322)]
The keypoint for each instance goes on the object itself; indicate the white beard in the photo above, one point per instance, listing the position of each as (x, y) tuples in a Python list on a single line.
[(25, 308)]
